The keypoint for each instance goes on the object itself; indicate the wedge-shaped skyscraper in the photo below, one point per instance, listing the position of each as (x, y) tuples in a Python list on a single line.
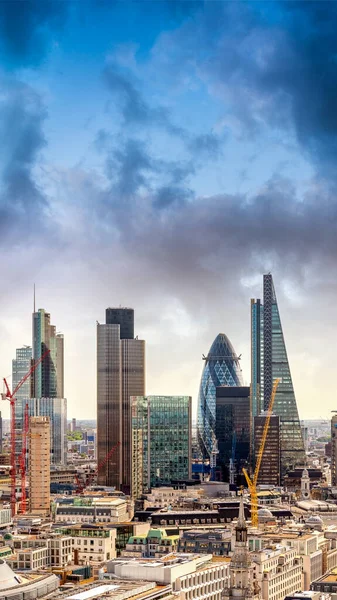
[(270, 362), (221, 368)]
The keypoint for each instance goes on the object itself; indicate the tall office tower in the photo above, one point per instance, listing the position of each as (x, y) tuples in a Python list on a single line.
[(269, 362), (161, 441), (124, 317), (21, 364), (49, 375), (1, 433), (232, 431), (56, 410), (270, 470), (334, 450), (221, 368), (120, 375), (39, 465)]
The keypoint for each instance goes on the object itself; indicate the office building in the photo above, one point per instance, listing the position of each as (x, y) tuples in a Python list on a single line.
[(56, 410), (48, 377), (120, 375), (270, 469), (232, 430), (39, 465), (334, 450), (270, 362), (221, 368), (21, 365), (124, 317), (161, 441)]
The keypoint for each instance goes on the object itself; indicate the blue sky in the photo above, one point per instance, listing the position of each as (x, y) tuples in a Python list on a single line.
[(164, 155)]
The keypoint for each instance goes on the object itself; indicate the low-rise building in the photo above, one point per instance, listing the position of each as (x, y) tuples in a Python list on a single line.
[(205, 541), (90, 509), (92, 543), (278, 572), (154, 543)]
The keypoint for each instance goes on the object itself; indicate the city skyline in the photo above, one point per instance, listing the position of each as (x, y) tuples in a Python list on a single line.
[(195, 382), (164, 155)]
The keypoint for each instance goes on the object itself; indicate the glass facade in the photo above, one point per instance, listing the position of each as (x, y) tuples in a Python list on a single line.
[(56, 410), (221, 368), (48, 376), (20, 367), (271, 355), (120, 375), (161, 440), (232, 429)]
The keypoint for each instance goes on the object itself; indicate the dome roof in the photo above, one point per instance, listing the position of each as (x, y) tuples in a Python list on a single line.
[(8, 578), (313, 521), (264, 512)]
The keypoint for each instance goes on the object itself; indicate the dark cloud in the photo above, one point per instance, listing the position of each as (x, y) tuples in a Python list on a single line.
[(274, 64), (26, 28), (22, 116)]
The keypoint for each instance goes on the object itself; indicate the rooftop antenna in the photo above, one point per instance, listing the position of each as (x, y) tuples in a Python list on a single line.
[(34, 297)]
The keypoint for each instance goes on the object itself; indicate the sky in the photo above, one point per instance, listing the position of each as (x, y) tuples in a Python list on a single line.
[(163, 156)]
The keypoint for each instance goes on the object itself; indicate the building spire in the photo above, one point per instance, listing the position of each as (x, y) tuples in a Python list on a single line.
[(34, 297), (241, 520)]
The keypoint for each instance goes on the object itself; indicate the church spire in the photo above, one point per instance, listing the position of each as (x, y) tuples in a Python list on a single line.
[(241, 526)]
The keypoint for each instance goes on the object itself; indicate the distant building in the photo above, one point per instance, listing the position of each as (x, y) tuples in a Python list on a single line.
[(207, 541), (269, 362), (155, 543), (161, 440), (56, 410), (39, 465), (48, 377), (120, 375), (334, 450), (221, 368), (21, 365), (232, 428), (270, 469)]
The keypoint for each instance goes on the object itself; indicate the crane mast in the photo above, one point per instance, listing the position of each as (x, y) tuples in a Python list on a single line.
[(8, 395), (252, 483)]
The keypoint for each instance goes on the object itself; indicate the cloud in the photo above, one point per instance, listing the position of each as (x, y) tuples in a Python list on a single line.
[(22, 115), (26, 29), (272, 65)]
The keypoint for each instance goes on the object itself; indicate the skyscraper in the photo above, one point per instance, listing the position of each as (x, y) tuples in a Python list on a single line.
[(120, 375), (269, 362), (161, 440), (20, 367), (270, 469), (39, 465), (334, 450), (232, 430), (48, 376), (221, 368)]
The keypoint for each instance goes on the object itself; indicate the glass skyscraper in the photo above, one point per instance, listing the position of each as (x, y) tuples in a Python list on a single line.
[(270, 362), (48, 376), (161, 441), (120, 375), (221, 368), (56, 410), (20, 367)]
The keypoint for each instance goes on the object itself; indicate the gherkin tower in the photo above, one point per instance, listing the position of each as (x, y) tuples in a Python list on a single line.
[(221, 368), (270, 362)]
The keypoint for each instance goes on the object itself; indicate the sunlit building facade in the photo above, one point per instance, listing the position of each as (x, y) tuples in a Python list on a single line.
[(120, 375), (161, 441), (270, 362), (221, 368)]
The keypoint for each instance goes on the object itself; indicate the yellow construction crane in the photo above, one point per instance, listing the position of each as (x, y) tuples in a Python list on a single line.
[(252, 483)]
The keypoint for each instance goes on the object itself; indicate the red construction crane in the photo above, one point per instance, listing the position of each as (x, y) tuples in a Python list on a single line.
[(8, 395), (81, 485)]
